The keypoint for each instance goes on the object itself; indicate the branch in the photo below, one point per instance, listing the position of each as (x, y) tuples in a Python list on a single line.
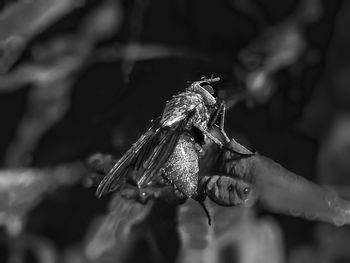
[(23, 188), (34, 16), (279, 47), (285, 192), (52, 76), (278, 189)]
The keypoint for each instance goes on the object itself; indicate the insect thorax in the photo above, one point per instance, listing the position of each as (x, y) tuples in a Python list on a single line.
[(180, 105)]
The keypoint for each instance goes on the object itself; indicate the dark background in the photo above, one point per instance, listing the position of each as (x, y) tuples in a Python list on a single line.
[(109, 110)]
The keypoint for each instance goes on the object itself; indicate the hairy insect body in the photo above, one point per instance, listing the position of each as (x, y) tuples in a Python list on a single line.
[(176, 109), (172, 146), (182, 167)]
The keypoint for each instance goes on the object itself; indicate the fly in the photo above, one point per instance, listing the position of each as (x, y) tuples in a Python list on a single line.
[(173, 144)]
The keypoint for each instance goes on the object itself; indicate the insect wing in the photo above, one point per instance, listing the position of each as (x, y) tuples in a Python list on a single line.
[(131, 160), (146, 156), (169, 139)]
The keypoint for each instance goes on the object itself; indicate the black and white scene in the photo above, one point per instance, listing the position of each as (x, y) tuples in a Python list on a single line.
[(174, 131)]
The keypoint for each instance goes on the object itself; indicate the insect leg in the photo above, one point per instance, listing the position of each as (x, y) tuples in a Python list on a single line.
[(209, 135), (220, 144), (222, 121), (215, 116), (219, 113), (205, 211)]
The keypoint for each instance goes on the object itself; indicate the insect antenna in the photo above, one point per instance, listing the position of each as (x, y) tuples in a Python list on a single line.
[(211, 79)]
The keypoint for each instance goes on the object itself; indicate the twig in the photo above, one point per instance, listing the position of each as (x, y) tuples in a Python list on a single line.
[(49, 99), (277, 48), (22, 189), (35, 16)]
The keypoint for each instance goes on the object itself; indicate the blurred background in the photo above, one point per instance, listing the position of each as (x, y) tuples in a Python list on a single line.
[(84, 76)]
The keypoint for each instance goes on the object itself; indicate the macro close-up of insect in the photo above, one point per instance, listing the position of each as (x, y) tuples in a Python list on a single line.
[(187, 131), (172, 147)]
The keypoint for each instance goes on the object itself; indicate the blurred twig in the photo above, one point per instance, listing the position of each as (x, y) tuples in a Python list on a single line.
[(282, 191), (23, 20), (136, 25), (52, 76), (236, 234), (134, 52), (278, 47), (113, 232), (41, 248), (23, 188)]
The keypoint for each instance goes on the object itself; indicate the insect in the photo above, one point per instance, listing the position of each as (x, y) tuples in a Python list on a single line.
[(173, 144)]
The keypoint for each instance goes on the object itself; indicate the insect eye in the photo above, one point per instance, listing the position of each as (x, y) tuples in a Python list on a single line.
[(207, 87)]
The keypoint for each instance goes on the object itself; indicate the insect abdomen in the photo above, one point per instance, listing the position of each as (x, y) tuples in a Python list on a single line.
[(182, 167)]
